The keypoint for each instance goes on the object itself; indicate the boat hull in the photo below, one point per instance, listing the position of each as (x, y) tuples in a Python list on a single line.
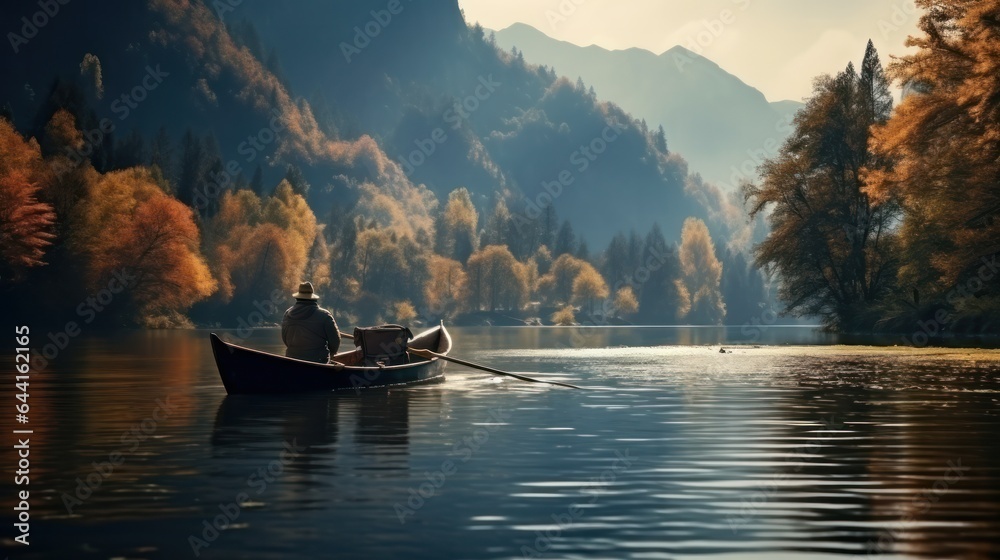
[(246, 371)]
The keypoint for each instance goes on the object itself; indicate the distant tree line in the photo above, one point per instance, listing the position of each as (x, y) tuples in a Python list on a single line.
[(139, 218)]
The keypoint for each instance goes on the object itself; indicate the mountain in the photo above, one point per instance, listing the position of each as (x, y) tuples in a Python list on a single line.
[(721, 125), (413, 103)]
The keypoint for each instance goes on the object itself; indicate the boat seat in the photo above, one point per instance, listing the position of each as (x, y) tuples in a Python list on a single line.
[(383, 345)]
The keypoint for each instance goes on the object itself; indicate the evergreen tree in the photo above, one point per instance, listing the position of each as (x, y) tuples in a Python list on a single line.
[(565, 240), (162, 154), (830, 242), (297, 180), (615, 265), (257, 181), (192, 167), (663, 300)]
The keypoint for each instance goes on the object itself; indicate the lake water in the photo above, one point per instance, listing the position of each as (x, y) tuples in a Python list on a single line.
[(674, 450)]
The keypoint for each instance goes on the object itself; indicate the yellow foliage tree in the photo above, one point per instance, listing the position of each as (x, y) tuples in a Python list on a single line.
[(461, 222), (589, 286), (625, 301), (403, 312), (290, 212), (702, 273), (379, 261), (564, 317), (496, 279), (252, 257), (556, 286), (446, 286)]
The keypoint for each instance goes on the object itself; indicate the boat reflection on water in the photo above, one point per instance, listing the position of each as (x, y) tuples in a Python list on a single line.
[(367, 432)]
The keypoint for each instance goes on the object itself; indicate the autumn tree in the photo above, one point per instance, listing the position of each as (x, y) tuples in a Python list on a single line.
[(129, 228), (460, 221), (379, 261), (564, 317), (446, 287), (26, 223), (589, 286), (496, 279), (830, 242), (557, 285), (289, 211), (258, 246), (702, 273), (945, 141), (625, 301)]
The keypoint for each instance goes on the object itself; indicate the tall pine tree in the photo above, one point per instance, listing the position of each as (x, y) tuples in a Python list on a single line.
[(830, 242)]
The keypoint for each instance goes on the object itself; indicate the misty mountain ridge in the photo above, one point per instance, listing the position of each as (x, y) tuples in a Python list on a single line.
[(717, 122)]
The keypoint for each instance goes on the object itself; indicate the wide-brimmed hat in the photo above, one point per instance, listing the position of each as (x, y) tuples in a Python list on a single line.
[(305, 291)]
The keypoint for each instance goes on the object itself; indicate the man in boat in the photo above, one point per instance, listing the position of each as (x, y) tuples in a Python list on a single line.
[(309, 331)]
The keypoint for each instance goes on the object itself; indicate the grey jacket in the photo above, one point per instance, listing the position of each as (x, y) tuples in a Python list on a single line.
[(309, 332)]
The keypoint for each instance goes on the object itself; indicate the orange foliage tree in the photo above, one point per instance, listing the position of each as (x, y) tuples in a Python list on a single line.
[(945, 138), (128, 227), (259, 246), (25, 222)]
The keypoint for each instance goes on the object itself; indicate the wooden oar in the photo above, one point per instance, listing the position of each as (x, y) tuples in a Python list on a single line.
[(429, 354)]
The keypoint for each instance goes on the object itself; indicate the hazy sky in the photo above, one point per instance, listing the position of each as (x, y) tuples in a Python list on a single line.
[(777, 46)]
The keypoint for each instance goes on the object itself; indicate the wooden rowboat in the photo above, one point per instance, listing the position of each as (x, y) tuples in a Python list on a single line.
[(247, 371)]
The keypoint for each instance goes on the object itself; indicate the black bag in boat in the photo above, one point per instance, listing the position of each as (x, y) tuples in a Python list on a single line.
[(383, 345)]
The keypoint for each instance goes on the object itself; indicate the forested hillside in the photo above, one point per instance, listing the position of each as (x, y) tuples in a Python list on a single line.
[(210, 155)]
